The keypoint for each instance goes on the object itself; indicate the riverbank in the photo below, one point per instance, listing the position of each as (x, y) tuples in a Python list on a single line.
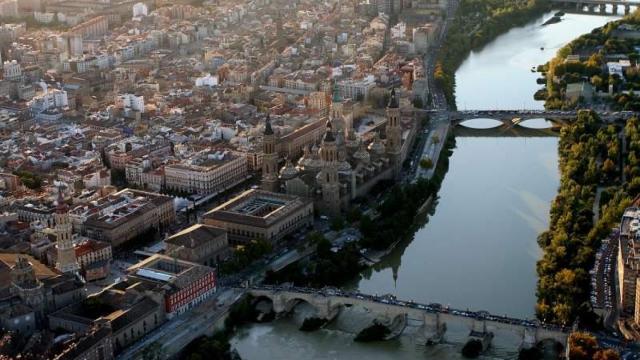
[(477, 23), (590, 156), (596, 69)]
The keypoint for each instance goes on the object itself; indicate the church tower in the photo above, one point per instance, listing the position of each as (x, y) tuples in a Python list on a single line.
[(269, 159), (328, 176), (340, 127), (337, 113), (394, 133), (67, 262), (26, 285)]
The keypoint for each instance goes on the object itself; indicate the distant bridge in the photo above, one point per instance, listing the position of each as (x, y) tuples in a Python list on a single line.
[(395, 313), (518, 116), (505, 131), (600, 4), (511, 118)]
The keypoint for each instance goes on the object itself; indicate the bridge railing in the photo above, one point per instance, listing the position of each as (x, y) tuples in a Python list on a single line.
[(433, 308)]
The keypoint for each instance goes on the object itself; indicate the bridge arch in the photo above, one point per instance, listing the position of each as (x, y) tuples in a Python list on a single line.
[(480, 123), (295, 301)]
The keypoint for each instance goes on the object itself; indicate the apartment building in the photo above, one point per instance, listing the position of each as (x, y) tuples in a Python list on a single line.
[(207, 172)]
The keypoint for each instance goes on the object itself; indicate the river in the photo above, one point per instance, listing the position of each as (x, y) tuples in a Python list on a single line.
[(478, 248)]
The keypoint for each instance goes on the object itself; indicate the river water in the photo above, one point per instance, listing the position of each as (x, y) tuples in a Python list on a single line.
[(478, 249)]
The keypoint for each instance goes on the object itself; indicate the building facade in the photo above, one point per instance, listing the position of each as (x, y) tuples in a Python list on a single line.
[(127, 214), (184, 284), (258, 214), (201, 244), (207, 173)]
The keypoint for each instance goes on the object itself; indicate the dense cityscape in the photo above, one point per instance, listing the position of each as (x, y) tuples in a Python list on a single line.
[(191, 179)]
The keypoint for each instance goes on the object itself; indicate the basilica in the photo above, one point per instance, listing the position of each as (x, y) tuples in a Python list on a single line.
[(344, 164)]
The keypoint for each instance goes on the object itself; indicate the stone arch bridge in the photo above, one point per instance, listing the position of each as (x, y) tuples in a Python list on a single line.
[(514, 118), (328, 303), (592, 5)]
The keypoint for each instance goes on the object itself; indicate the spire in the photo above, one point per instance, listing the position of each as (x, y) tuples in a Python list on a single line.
[(61, 207), (328, 135), (393, 101), (268, 130)]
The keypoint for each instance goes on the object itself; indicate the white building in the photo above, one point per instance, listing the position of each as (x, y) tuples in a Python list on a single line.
[(75, 45), (49, 100), (616, 68), (12, 70), (399, 31), (207, 80), (130, 102), (8, 8), (140, 10), (357, 89), (423, 37), (207, 172), (44, 17)]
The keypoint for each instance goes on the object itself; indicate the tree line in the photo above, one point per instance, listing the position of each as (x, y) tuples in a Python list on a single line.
[(590, 156)]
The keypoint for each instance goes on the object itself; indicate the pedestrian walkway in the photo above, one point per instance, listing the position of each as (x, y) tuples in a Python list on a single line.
[(432, 149)]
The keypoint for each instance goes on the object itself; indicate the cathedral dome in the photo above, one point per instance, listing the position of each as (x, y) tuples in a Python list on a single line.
[(362, 155), (311, 159), (377, 147), (352, 141), (288, 171)]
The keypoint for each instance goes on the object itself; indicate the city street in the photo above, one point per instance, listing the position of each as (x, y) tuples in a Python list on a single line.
[(175, 334)]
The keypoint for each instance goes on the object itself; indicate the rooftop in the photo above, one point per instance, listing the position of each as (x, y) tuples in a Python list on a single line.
[(257, 208), (195, 236)]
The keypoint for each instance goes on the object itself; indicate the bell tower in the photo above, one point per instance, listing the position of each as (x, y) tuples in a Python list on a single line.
[(67, 262), (328, 176), (269, 159), (394, 133)]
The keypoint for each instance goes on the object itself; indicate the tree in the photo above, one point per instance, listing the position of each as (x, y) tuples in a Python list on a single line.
[(606, 354), (608, 166), (337, 223), (634, 186), (582, 346), (426, 163), (354, 214), (562, 312), (597, 81), (324, 248), (152, 352)]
